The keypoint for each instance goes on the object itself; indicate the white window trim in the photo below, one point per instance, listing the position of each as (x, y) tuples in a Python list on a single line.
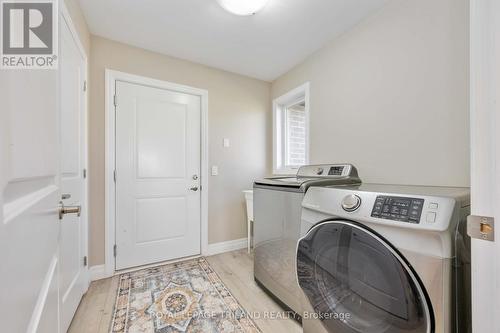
[(300, 93)]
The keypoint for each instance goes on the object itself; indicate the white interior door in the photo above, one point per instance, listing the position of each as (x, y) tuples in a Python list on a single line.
[(485, 160), (29, 197), (73, 277), (157, 174)]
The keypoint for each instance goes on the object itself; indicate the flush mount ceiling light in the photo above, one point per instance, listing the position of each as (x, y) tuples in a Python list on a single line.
[(243, 7)]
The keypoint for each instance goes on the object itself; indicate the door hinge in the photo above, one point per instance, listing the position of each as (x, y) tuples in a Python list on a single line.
[(481, 227), (85, 261), (85, 85), (114, 176), (114, 250), (115, 100), (84, 173)]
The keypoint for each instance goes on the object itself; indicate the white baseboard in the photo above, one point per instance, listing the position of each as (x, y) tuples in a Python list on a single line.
[(97, 272), (228, 246)]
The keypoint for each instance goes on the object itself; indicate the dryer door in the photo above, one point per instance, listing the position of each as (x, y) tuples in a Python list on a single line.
[(357, 282)]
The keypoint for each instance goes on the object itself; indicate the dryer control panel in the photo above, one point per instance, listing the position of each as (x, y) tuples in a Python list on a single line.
[(401, 209)]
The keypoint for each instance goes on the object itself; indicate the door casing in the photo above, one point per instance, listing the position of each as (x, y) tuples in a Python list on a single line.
[(485, 159), (111, 76)]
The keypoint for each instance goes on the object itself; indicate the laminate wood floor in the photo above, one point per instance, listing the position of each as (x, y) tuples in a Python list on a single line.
[(235, 268)]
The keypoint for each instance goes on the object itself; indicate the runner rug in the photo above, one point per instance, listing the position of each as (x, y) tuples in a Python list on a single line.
[(186, 296)]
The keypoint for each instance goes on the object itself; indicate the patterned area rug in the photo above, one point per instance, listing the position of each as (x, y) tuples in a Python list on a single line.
[(180, 297)]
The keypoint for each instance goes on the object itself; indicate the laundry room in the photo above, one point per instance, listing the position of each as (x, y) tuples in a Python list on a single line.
[(319, 166)]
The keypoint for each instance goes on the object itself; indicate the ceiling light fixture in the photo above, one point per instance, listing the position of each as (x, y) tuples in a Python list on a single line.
[(243, 7)]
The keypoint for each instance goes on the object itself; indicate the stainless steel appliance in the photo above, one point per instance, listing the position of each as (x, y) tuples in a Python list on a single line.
[(277, 209), (383, 258)]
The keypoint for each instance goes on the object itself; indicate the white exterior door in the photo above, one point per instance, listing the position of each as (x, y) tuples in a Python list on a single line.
[(73, 273), (485, 160), (29, 198), (158, 156)]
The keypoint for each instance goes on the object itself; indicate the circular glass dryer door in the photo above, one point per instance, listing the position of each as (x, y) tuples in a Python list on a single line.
[(357, 282)]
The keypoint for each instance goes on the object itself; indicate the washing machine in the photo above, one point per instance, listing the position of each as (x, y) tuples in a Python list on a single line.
[(277, 211), (385, 259)]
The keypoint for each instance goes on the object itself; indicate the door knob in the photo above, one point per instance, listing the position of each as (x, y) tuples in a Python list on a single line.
[(63, 210), (194, 188)]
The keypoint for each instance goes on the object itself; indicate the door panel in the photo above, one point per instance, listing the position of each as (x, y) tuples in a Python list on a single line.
[(161, 131), (50, 300), (72, 270), (29, 196), (157, 158), (159, 218)]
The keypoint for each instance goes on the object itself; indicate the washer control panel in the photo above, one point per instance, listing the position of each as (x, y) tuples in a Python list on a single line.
[(401, 209), (327, 171)]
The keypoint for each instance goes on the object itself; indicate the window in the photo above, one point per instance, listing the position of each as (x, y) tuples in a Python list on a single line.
[(295, 129), (291, 132)]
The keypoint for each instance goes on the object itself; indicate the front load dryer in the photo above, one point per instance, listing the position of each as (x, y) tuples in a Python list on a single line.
[(385, 259)]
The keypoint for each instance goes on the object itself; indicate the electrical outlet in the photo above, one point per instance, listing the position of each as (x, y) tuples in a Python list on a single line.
[(215, 170)]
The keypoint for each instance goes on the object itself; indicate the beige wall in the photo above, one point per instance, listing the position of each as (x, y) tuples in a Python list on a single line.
[(239, 109), (391, 95)]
